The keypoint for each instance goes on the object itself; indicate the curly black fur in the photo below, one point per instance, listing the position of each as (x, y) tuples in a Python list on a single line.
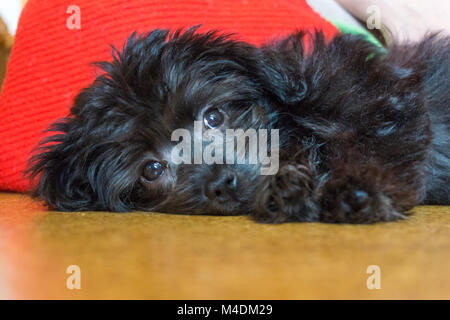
[(364, 133), (379, 121)]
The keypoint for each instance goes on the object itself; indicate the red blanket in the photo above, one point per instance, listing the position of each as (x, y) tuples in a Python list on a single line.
[(50, 62)]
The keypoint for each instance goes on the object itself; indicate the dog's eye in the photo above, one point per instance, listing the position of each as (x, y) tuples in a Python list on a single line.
[(153, 170), (213, 118)]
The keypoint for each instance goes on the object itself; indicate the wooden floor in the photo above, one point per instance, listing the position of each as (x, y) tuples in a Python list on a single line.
[(160, 256)]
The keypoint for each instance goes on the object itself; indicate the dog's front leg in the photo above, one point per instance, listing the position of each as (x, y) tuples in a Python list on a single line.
[(352, 194), (367, 194), (292, 195)]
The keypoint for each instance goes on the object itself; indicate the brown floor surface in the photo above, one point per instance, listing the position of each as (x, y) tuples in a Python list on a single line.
[(161, 256)]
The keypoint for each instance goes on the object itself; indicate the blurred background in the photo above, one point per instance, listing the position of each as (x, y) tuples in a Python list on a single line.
[(9, 16), (10, 12), (399, 20), (157, 256)]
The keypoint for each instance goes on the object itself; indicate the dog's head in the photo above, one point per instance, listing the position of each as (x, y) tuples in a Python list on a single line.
[(115, 149)]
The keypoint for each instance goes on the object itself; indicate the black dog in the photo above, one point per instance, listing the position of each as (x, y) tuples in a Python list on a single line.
[(364, 134)]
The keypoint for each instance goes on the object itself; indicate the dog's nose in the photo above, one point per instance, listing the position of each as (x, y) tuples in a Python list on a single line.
[(223, 188)]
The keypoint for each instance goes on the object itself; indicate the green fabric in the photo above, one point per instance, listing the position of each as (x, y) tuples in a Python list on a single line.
[(345, 28)]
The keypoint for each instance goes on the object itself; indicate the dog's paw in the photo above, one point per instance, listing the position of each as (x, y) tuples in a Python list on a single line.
[(287, 196), (357, 203)]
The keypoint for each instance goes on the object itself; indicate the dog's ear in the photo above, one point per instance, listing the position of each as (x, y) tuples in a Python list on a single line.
[(281, 69), (305, 65), (78, 168), (90, 163), (58, 170)]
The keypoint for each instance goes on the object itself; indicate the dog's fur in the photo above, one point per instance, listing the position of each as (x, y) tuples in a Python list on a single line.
[(364, 133)]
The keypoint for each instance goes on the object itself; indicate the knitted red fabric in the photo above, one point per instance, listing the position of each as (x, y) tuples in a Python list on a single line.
[(50, 63)]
